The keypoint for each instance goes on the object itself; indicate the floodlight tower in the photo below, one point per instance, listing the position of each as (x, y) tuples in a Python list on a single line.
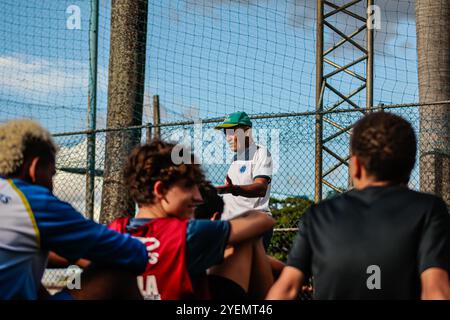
[(326, 13)]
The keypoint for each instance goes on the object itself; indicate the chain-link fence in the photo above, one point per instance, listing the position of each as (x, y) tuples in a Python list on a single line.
[(55, 279)]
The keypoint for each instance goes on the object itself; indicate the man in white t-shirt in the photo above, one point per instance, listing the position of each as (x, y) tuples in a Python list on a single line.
[(247, 184)]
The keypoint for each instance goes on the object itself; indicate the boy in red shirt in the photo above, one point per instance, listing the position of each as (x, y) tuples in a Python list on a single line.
[(180, 248)]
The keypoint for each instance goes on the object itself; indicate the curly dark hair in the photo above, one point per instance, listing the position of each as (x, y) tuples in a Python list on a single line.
[(386, 146), (212, 202), (152, 162)]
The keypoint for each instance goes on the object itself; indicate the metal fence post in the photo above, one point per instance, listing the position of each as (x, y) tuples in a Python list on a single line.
[(370, 56), (319, 102), (156, 116), (92, 109)]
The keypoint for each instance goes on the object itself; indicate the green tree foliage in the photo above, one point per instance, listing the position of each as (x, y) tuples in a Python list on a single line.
[(287, 213)]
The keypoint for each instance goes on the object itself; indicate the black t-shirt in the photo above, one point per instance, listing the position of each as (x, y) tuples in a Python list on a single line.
[(380, 238)]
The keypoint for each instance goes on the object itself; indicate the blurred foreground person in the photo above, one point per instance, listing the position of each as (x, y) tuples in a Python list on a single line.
[(180, 248), (380, 240), (33, 222)]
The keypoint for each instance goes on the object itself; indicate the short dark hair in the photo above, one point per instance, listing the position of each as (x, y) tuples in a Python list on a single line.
[(386, 146), (152, 162), (212, 202)]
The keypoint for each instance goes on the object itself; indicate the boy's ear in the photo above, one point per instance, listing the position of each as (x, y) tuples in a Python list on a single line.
[(158, 189), (32, 169), (355, 168)]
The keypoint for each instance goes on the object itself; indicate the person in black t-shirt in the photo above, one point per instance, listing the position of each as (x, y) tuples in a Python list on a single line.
[(380, 240)]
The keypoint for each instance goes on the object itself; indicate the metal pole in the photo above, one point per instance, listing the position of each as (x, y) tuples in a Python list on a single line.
[(148, 134), (92, 109), (369, 66), (319, 98), (156, 116)]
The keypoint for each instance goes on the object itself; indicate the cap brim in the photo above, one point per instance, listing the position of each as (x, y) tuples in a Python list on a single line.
[(225, 126)]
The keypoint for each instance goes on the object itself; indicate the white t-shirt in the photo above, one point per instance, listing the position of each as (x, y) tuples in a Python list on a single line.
[(248, 165)]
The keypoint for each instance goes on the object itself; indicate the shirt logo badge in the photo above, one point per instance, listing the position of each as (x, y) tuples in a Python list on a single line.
[(243, 168)]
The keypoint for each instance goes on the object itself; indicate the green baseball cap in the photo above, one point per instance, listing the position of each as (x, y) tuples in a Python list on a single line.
[(235, 119)]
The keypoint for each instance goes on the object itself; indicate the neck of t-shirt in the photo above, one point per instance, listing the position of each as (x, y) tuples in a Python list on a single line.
[(251, 145)]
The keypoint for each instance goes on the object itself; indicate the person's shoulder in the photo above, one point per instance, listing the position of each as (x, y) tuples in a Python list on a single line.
[(393, 194), (36, 195), (205, 223), (170, 220), (29, 188), (424, 196), (119, 224), (44, 204), (335, 204), (332, 201), (262, 150), (203, 226), (168, 225), (427, 200), (418, 197)]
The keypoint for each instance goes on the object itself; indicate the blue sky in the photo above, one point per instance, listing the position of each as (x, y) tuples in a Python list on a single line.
[(204, 58)]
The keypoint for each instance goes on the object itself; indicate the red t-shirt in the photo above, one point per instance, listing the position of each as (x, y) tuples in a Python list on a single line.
[(166, 276)]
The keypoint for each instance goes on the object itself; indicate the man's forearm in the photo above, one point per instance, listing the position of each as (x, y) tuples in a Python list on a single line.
[(254, 190), (280, 292), (288, 285), (439, 291), (435, 284), (436, 295)]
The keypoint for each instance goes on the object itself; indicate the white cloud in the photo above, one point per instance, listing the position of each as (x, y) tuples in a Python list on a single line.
[(71, 187), (36, 77)]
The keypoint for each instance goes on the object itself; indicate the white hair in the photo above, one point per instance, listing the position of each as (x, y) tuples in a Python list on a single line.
[(15, 135)]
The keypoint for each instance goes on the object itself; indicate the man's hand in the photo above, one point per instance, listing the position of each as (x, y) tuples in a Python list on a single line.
[(257, 189), (227, 188)]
